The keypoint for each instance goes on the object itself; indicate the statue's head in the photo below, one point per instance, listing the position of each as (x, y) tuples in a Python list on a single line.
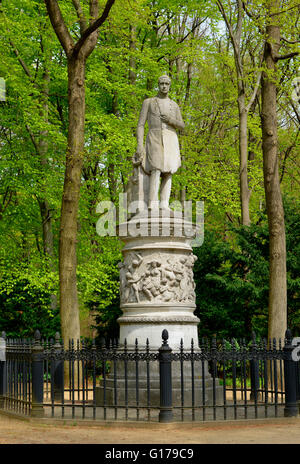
[(164, 83), (164, 78)]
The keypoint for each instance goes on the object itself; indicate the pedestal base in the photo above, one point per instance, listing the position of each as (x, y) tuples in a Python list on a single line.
[(157, 292), (147, 393), (143, 322), (157, 288)]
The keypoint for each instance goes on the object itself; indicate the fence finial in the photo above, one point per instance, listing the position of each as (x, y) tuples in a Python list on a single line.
[(57, 344), (288, 336), (165, 336), (37, 336)]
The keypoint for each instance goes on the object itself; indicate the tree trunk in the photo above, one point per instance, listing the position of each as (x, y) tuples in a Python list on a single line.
[(43, 152), (69, 307), (46, 217), (47, 228), (132, 59), (77, 54), (275, 212), (243, 149), (235, 38)]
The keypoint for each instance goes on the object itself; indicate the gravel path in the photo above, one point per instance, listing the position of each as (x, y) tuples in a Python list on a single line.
[(16, 431)]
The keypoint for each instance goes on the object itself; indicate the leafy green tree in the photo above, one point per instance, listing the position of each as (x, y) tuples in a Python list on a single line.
[(141, 41), (77, 51), (232, 278), (274, 205), (231, 283), (25, 301), (243, 82)]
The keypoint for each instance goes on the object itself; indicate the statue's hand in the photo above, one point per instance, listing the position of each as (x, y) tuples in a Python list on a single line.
[(138, 157), (164, 118)]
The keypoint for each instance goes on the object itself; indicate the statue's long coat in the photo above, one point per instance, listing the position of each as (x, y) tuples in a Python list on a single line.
[(162, 147)]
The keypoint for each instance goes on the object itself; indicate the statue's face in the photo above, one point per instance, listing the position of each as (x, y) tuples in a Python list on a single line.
[(164, 86)]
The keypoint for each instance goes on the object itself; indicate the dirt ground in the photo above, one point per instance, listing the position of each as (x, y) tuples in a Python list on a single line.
[(16, 431)]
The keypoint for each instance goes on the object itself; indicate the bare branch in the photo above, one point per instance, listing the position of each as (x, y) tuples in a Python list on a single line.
[(94, 10), (91, 41), (80, 15), (25, 67), (16, 52), (59, 26), (162, 36), (286, 155), (239, 25), (248, 12), (285, 57), (32, 137), (232, 37), (21, 61), (167, 21), (7, 197), (93, 26), (295, 110), (284, 11), (27, 72), (194, 27), (289, 41), (252, 16), (229, 217), (253, 96)]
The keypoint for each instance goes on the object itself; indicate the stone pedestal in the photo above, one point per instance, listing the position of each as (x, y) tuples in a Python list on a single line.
[(157, 287), (157, 292), (153, 390)]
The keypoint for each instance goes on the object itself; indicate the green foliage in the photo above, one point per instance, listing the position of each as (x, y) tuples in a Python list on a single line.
[(104, 302), (232, 283), (189, 42), (25, 302), (232, 276), (292, 221)]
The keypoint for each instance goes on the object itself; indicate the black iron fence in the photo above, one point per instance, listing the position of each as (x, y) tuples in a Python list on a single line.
[(215, 381)]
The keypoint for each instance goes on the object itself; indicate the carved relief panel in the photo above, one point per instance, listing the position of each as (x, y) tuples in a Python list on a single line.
[(157, 278)]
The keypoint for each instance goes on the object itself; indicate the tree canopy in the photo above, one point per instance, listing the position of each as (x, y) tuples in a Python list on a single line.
[(192, 43)]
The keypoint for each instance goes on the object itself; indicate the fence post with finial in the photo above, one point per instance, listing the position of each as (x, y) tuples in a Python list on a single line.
[(165, 374), (37, 370), (254, 370), (57, 383), (291, 407), (3, 369)]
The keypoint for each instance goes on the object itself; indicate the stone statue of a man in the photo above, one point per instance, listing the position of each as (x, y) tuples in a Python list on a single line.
[(161, 157)]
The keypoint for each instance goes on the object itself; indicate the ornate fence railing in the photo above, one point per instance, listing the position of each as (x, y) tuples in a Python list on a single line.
[(219, 380)]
